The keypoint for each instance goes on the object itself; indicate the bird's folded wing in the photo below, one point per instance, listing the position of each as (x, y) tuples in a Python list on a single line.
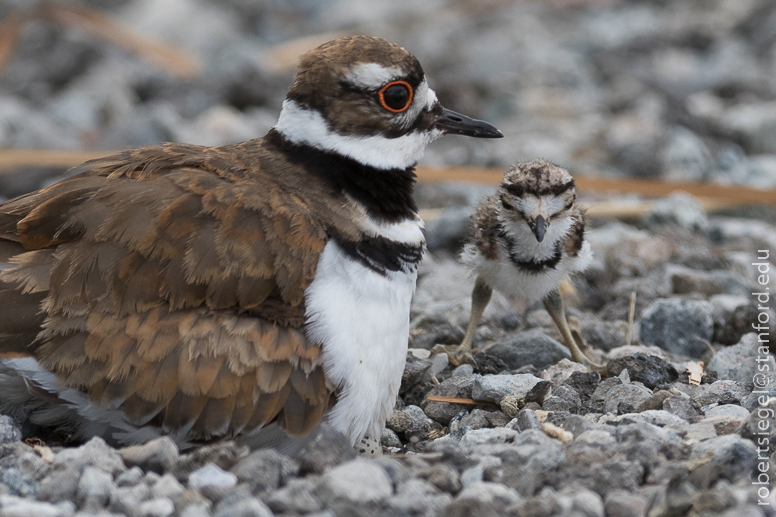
[(167, 282)]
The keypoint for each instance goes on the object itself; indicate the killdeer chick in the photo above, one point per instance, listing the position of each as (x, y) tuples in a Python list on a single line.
[(525, 240), (250, 291)]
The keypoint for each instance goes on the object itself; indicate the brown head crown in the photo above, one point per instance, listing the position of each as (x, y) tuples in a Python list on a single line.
[(343, 79), (539, 178)]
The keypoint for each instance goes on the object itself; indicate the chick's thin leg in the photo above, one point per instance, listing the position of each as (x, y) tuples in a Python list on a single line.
[(480, 297), (554, 305)]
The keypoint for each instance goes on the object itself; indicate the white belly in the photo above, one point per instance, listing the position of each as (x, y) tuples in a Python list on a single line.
[(362, 320), (503, 275)]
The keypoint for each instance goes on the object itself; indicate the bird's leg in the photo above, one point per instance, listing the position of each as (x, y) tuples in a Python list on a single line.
[(480, 297), (554, 305)]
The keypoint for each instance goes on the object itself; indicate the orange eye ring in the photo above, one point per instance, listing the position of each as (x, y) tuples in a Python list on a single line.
[(384, 104)]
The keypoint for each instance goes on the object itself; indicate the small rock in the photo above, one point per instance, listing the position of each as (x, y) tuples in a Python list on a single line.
[(588, 503), (537, 394), (530, 347), (9, 432), (158, 455), (60, 485), (727, 418), (445, 478), (329, 448), (11, 506), (625, 398), (389, 438), (422, 425), (562, 371), (250, 507), (438, 363), (525, 462), (487, 364), (127, 499), (734, 457), (465, 370), (597, 437), (707, 283), (683, 407), (213, 476), (475, 420), (678, 326), (94, 452), (604, 335), (18, 483), (94, 489), (167, 487), (296, 496), (265, 469), (700, 431), (578, 424), (130, 478), (649, 370), (761, 423), (620, 503), (400, 422), (481, 500), (719, 392), (478, 437), (497, 418), (585, 384), (597, 399), (740, 362), (655, 401), (567, 394), (656, 417), (418, 497), (359, 480), (495, 387), (527, 419), (159, 507)]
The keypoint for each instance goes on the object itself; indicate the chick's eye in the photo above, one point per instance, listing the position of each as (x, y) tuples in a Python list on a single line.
[(506, 205), (396, 96)]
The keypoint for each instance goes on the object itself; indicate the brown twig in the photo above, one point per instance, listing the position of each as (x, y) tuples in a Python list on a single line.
[(102, 25), (711, 194), (455, 400)]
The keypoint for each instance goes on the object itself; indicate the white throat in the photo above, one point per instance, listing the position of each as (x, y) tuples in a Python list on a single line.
[(527, 247), (302, 125)]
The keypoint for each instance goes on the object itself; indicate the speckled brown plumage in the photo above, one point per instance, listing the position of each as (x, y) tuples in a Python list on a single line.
[(172, 280)]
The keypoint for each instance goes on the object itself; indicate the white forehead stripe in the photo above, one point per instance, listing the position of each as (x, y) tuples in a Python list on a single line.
[(552, 205), (307, 126), (372, 76), (529, 205)]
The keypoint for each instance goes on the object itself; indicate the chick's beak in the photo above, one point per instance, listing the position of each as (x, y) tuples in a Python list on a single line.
[(454, 123), (539, 227)]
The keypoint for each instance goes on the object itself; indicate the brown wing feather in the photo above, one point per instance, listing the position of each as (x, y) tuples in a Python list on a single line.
[(169, 282)]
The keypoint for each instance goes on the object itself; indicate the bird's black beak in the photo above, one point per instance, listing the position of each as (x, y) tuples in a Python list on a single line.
[(539, 227), (454, 123)]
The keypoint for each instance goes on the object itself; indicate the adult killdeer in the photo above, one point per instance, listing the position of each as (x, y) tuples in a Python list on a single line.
[(525, 240), (216, 292)]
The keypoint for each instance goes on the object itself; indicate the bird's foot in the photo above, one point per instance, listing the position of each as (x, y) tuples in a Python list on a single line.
[(581, 352), (456, 354)]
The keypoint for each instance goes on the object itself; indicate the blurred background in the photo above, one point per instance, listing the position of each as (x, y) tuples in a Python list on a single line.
[(675, 90)]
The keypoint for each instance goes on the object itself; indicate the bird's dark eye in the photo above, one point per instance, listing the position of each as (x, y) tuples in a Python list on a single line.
[(506, 205), (396, 96)]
